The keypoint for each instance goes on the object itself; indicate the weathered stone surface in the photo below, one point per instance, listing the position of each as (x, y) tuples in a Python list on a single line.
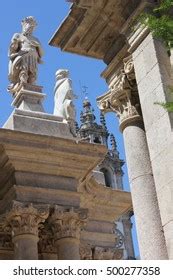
[(104, 204), (38, 123), (92, 29), (24, 222), (151, 241), (154, 87)]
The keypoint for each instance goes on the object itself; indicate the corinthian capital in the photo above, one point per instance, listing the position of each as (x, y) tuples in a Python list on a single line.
[(122, 98), (68, 222), (26, 220)]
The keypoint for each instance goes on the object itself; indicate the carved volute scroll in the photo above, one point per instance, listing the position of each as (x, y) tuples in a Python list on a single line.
[(26, 220), (122, 98), (68, 222)]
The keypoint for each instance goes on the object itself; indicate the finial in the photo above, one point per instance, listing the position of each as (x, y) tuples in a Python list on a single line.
[(76, 127), (113, 142), (81, 117), (102, 120)]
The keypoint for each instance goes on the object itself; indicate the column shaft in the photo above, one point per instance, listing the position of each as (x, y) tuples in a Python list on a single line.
[(68, 249), (147, 215), (25, 247), (154, 80)]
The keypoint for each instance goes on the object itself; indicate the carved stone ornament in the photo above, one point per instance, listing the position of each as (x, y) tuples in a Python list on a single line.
[(25, 52), (5, 236), (68, 222), (101, 253), (24, 219), (46, 240), (119, 237), (85, 252), (122, 98)]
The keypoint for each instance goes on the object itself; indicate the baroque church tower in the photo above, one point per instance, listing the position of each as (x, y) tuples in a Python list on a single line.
[(109, 172)]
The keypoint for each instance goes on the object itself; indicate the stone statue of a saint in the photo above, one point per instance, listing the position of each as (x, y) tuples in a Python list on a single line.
[(25, 53), (64, 96)]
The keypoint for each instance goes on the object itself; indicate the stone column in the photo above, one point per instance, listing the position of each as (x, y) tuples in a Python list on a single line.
[(123, 100), (155, 80), (67, 225), (24, 222)]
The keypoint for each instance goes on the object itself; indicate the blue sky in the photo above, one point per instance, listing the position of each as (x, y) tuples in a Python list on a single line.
[(49, 14)]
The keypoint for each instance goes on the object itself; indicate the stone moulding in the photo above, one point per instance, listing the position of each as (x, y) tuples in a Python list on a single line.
[(103, 203)]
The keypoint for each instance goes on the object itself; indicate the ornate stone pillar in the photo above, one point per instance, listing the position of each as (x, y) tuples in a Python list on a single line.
[(67, 225), (24, 222), (123, 100), (128, 242)]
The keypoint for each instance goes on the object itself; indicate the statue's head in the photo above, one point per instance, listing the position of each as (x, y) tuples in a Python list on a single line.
[(62, 74), (28, 25)]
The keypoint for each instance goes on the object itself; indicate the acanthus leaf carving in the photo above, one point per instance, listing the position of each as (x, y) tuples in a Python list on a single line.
[(122, 98), (26, 219), (68, 222)]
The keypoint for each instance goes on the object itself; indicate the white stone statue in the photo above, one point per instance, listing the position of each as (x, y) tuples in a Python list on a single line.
[(25, 53), (64, 96)]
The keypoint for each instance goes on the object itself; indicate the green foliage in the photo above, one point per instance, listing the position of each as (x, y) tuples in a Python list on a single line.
[(167, 106), (160, 22), (165, 5)]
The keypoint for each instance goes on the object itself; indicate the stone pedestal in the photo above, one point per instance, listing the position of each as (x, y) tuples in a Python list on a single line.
[(29, 98), (29, 115), (24, 222), (67, 225)]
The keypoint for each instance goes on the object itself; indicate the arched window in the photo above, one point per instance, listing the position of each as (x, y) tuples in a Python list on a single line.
[(108, 177), (97, 140)]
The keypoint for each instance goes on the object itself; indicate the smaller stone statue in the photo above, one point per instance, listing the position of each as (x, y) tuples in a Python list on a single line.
[(64, 96), (25, 53)]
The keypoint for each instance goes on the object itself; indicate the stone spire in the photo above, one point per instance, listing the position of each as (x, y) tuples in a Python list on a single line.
[(89, 129), (102, 120), (88, 116), (113, 142)]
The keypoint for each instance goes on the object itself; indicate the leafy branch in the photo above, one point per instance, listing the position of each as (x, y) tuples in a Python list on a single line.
[(160, 23)]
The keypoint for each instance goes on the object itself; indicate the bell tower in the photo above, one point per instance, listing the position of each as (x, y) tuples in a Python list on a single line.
[(109, 172)]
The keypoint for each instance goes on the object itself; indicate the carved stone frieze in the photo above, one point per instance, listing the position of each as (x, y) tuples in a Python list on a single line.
[(26, 219), (122, 98), (101, 253), (68, 222)]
